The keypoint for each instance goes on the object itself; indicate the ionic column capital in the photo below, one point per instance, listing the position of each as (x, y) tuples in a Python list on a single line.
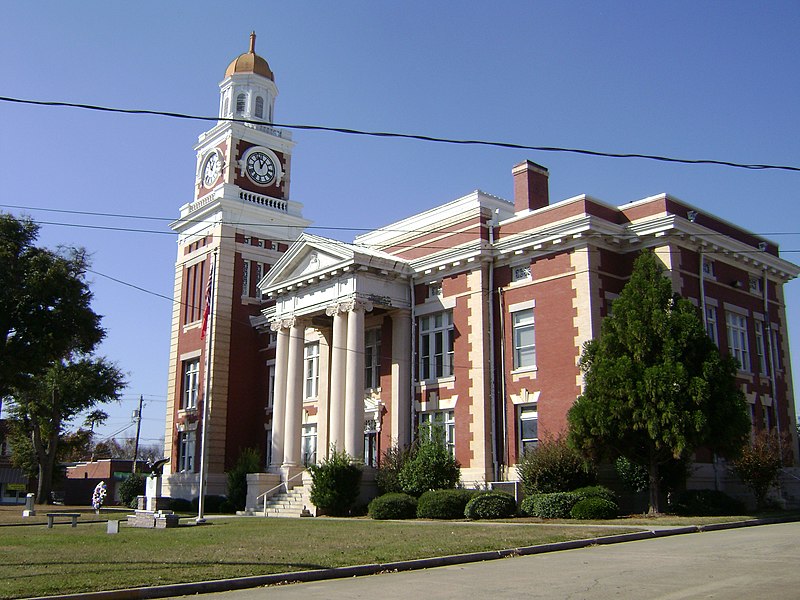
[(284, 323)]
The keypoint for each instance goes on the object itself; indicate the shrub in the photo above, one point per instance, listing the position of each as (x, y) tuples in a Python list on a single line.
[(387, 477), (249, 462), (212, 504), (394, 505), (706, 503), (594, 507), (491, 505), (553, 467), (129, 489), (760, 463), (336, 483), (431, 467), (526, 506), (444, 504), (596, 491), (180, 505), (556, 505)]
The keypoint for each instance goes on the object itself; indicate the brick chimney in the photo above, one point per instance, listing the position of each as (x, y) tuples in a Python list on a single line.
[(530, 186)]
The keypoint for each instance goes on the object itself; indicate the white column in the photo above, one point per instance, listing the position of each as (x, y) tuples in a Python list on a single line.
[(354, 388), (338, 380), (401, 377), (294, 396), (279, 394)]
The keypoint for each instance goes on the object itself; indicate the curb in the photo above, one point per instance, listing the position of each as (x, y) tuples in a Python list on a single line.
[(239, 583)]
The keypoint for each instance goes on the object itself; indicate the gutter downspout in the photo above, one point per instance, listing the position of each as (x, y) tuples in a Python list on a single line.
[(492, 393), (502, 310), (773, 387), (715, 459), (413, 349)]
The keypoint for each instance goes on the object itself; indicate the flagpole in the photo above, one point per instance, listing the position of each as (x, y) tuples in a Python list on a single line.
[(210, 306)]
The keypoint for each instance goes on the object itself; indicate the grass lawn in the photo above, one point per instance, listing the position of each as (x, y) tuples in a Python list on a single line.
[(36, 561)]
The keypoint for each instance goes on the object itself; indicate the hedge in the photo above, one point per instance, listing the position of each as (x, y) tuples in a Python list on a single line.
[(394, 505), (444, 504), (491, 505), (594, 508)]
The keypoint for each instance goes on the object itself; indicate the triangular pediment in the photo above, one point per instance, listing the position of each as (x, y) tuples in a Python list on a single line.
[(308, 257)]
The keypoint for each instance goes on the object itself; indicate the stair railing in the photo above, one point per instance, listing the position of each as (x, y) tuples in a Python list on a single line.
[(266, 495)]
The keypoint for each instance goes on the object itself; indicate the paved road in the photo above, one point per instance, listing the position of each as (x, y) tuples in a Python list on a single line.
[(750, 563)]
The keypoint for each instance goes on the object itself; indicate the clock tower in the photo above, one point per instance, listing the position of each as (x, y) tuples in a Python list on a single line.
[(241, 220)]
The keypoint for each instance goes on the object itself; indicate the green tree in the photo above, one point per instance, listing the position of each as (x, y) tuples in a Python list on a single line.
[(431, 466), (553, 466), (336, 483), (249, 462), (656, 387), (45, 311), (43, 410)]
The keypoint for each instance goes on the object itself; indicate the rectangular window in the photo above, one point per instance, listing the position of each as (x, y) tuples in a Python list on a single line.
[(441, 424), (528, 428), (309, 447), (372, 359), (191, 380), (434, 289), (761, 348), (245, 277), (186, 450), (772, 334), (711, 324), (757, 286), (194, 292), (436, 337), (371, 443), (270, 386), (708, 268), (524, 339), (268, 452), (521, 273), (737, 339), (311, 357)]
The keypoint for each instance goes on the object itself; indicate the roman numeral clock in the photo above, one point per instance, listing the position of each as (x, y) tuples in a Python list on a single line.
[(261, 166)]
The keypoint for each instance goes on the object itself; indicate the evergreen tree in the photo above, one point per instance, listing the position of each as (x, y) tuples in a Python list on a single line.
[(656, 387)]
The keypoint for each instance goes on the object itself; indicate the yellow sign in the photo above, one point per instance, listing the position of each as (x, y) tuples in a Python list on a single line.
[(15, 487)]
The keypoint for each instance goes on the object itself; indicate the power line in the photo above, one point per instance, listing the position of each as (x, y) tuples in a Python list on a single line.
[(408, 136), (246, 224)]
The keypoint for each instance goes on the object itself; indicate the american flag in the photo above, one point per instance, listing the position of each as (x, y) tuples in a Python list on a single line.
[(207, 307)]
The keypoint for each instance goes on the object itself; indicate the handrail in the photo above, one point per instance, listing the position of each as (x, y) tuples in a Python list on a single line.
[(277, 487)]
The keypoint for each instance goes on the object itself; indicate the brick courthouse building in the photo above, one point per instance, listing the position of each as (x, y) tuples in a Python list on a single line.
[(471, 315)]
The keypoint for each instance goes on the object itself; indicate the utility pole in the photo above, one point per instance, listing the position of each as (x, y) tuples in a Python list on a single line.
[(138, 416)]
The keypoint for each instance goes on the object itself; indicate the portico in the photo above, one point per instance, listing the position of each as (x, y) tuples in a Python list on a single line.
[(327, 297)]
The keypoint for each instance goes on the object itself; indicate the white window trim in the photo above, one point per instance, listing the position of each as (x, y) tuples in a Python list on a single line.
[(190, 384), (530, 416), (311, 379), (740, 352), (448, 357), (516, 328)]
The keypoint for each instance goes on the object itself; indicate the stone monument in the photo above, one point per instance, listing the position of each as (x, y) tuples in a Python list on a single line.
[(151, 509)]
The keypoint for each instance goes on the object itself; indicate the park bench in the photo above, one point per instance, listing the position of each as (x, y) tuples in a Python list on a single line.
[(52, 516)]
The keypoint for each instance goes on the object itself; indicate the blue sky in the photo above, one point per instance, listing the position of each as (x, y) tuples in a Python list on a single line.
[(694, 79)]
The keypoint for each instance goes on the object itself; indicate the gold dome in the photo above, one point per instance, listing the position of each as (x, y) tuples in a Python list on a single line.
[(250, 62)]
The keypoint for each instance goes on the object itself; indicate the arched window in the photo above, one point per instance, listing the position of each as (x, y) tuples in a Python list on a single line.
[(259, 107), (241, 101)]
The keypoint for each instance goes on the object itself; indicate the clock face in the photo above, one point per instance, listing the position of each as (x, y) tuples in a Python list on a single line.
[(260, 168), (212, 169)]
